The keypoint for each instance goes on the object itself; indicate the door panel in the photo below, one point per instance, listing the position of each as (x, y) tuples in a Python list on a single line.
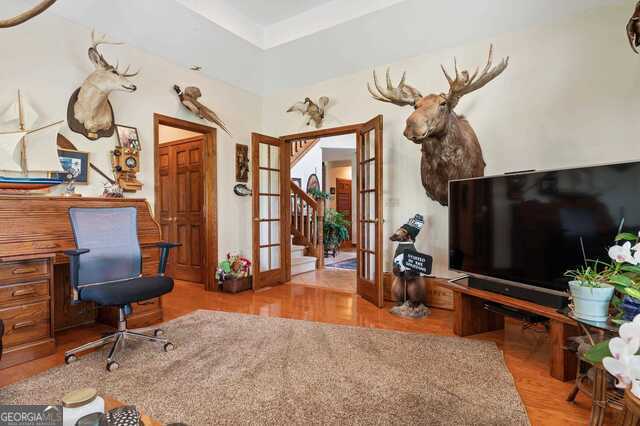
[(369, 211), (344, 204), (270, 170), (181, 207)]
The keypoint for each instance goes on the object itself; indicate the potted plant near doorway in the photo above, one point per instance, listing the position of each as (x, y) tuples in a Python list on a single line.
[(336, 230)]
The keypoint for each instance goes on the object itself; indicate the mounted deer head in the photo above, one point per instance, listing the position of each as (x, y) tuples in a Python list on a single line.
[(25, 16), (450, 148), (633, 28), (92, 112)]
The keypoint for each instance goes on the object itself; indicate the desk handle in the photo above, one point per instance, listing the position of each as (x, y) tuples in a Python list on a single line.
[(24, 292), (24, 324), (20, 271), (47, 245)]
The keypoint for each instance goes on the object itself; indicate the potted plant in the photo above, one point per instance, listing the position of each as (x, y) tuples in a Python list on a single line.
[(336, 230), (318, 194), (590, 290), (233, 273)]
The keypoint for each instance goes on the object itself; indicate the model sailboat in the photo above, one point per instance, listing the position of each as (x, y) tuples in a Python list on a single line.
[(27, 150)]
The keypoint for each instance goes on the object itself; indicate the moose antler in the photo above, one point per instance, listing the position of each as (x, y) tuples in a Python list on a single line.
[(25, 16), (401, 95), (463, 84)]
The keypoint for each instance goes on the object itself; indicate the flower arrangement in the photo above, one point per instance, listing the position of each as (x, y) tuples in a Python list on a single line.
[(233, 267), (624, 362)]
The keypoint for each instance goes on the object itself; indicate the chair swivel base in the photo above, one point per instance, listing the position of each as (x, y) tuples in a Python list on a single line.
[(118, 338)]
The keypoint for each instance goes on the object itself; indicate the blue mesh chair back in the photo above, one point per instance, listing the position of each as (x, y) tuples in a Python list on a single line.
[(111, 236)]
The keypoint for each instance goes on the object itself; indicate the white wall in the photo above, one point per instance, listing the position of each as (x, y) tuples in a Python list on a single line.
[(570, 97), (47, 59)]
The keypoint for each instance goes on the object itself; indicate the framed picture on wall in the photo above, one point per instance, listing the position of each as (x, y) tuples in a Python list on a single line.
[(128, 137), (76, 162), (313, 183)]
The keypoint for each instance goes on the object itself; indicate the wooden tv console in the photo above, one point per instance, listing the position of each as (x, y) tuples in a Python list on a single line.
[(470, 318)]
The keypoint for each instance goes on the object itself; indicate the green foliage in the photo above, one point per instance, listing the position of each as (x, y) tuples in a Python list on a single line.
[(598, 352), (318, 194), (594, 273), (336, 228), (626, 236)]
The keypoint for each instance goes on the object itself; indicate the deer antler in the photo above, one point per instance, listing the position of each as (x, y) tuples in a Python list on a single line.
[(125, 72), (401, 95), (464, 84), (95, 42), (25, 16)]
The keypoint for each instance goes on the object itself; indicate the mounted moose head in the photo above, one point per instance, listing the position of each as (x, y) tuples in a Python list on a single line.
[(89, 111), (450, 148)]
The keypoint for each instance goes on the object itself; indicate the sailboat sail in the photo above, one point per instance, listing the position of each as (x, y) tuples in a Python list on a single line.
[(12, 114), (10, 151), (41, 150)]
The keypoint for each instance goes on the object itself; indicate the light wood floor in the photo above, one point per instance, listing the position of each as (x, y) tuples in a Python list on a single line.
[(526, 352), (330, 278)]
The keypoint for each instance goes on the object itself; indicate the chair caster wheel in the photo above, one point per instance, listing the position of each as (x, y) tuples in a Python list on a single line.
[(70, 358), (158, 332), (112, 366), (168, 347)]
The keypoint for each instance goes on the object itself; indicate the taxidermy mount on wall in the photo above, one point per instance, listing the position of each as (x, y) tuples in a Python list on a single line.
[(633, 29), (314, 112), (189, 98), (89, 112), (25, 16), (450, 147)]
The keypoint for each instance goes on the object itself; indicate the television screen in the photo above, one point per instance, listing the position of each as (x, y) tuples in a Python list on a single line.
[(526, 228)]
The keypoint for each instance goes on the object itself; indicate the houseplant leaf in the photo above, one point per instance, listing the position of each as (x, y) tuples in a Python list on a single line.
[(598, 352), (627, 236)]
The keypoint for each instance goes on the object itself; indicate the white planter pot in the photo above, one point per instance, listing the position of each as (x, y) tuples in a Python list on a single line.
[(590, 303)]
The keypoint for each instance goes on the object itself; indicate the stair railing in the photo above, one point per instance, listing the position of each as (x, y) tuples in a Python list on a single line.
[(299, 148), (307, 222)]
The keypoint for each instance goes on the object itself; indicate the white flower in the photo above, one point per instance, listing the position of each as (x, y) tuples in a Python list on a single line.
[(622, 254), (625, 364)]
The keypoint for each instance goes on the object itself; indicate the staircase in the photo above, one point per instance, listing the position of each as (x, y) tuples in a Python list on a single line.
[(300, 148), (307, 249)]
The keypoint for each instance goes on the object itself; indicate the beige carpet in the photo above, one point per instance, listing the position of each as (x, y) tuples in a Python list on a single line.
[(240, 369)]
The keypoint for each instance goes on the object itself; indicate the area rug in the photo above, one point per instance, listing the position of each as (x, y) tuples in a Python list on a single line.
[(240, 369), (351, 264)]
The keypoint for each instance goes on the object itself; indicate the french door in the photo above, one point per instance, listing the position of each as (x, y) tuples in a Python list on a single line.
[(369, 211), (270, 182)]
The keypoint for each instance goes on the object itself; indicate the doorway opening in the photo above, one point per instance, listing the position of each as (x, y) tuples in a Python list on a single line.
[(289, 215), (332, 162), (186, 197)]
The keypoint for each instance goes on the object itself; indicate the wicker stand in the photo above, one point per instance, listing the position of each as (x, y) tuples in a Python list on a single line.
[(631, 415)]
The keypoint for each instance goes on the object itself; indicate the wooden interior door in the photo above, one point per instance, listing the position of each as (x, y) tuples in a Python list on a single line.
[(182, 206), (369, 210), (271, 233), (344, 204)]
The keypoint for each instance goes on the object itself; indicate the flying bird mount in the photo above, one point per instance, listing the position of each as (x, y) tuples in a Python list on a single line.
[(450, 147), (189, 98), (313, 111)]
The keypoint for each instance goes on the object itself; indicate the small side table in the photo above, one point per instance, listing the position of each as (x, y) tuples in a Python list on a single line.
[(596, 387)]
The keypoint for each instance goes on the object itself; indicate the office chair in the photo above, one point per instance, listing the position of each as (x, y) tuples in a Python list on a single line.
[(106, 268)]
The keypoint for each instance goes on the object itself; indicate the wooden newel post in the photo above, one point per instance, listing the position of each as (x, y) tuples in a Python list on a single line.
[(320, 246)]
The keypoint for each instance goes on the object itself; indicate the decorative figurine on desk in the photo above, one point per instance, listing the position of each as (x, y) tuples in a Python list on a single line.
[(70, 189), (408, 286)]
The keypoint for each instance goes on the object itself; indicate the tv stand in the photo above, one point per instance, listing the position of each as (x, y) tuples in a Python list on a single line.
[(471, 317)]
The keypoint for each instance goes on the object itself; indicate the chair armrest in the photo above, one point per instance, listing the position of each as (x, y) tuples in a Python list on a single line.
[(74, 265), (165, 246)]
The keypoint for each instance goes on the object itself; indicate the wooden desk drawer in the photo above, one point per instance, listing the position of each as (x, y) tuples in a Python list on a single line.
[(23, 293), (26, 323), (24, 270)]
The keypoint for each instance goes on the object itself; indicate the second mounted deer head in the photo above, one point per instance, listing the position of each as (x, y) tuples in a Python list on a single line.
[(450, 148), (89, 111)]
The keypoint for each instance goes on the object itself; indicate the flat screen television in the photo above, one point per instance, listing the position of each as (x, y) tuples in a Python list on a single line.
[(525, 228)]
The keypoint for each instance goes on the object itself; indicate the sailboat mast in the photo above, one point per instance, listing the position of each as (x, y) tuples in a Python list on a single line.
[(20, 112), (23, 157)]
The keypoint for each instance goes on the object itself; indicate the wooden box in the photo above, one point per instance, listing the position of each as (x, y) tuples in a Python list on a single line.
[(237, 285)]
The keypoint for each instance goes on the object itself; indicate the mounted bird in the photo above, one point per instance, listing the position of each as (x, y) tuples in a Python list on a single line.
[(450, 147), (633, 29), (189, 98), (313, 111)]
